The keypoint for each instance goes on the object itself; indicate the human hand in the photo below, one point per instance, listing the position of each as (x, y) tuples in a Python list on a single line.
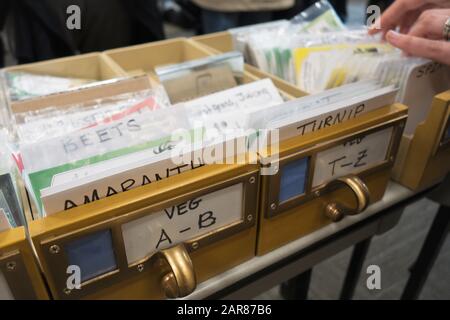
[(430, 24), (437, 50), (403, 14)]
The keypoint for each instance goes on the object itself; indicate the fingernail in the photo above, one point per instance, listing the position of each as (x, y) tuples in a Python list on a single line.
[(393, 34)]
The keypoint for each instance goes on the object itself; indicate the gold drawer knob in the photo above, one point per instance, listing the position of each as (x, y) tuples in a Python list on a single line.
[(180, 280), (335, 210)]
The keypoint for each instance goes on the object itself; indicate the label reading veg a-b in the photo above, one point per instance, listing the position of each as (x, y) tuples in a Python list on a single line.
[(181, 222)]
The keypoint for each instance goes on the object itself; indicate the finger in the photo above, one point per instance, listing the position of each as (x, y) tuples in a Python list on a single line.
[(432, 49), (430, 24), (409, 21), (413, 17)]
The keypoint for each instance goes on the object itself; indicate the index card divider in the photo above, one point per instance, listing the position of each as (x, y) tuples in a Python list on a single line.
[(219, 41), (148, 56), (426, 161), (85, 66), (67, 99)]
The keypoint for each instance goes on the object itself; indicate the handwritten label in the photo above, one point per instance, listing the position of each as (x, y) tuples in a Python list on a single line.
[(84, 185), (227, 112), (182, 222), (336, 113), (254, 95), (427, 69), (89, 188), (130, 130), (421, 84), (352, 156), (58, 124), (330, 119)]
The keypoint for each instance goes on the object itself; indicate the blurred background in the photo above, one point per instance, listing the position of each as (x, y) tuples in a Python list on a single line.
[(34, 30)]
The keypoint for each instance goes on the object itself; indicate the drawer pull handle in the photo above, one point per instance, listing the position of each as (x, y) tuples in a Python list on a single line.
[(335, 210), (180, 280)]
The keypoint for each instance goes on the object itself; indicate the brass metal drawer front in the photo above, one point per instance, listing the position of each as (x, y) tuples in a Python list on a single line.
[(118, 255), (325, 162)]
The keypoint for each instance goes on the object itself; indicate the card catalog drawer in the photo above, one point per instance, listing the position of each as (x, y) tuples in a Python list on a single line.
[(323, 176), (155, 241), (92, 66), (146, 57), (20, 277), (22, 94), (218, 41), (425, 156)]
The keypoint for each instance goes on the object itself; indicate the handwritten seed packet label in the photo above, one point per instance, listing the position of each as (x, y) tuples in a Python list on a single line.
[(228, 111), (354, 155), (181, 222), (132, 129), (83, 185), (256, 95), (155, 129), (59, 123)]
